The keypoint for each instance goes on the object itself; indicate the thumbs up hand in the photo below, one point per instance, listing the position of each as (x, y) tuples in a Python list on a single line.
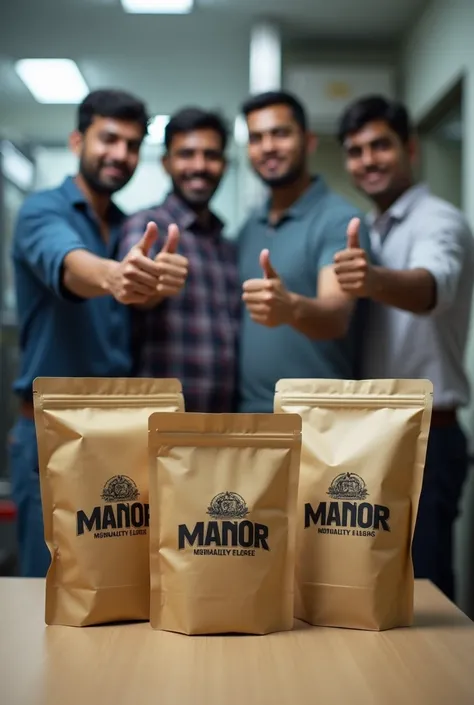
[(352, 267), (140, 280), (172, 241), (149, 238), (173, 267), (267, 300)]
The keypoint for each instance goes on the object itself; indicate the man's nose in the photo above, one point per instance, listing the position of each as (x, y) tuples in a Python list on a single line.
[(199, 162), (120, 151), (268, 143), (367, 157)]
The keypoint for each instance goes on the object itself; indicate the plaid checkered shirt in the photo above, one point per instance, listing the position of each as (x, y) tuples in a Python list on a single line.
[(192, 336)]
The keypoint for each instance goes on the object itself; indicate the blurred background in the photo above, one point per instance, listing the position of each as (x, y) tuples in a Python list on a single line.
[(213, 53)]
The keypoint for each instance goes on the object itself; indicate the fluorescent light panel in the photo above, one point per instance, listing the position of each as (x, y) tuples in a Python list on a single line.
[(156, 129), (159, 7), (52, 80)]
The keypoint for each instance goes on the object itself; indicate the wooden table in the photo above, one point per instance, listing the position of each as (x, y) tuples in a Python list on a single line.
[(431, 663)]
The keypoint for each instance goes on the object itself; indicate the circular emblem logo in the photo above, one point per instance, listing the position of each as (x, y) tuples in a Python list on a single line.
[(348, 485), (227, 505), (120, 488)]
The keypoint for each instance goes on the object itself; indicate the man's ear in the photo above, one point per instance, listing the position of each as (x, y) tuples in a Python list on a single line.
[(165, 162), (311, 142), (413, 149), (76, 140)]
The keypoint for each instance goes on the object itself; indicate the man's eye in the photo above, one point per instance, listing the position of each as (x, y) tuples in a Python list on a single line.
[(354, 152)]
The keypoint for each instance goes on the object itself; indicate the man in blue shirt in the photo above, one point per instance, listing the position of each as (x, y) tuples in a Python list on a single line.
[(71, 289), (297, 321)]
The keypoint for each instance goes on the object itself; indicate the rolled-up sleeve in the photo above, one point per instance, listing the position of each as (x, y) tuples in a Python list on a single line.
[(442, 248), (42, 240)]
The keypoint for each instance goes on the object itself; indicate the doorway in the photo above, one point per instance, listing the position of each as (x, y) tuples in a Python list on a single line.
[(441, 167)]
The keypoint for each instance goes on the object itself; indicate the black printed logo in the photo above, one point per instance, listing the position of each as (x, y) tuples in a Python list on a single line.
[(227, 505), (348, 513), (348, 486), (120, 514), (227, 533), (120, 488)]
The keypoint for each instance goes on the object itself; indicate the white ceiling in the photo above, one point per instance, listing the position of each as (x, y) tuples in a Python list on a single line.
[(199, 58)]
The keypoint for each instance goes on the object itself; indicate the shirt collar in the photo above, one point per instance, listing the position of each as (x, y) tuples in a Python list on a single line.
[(399, 210), (76, 197), (187, 219), (302, 205)]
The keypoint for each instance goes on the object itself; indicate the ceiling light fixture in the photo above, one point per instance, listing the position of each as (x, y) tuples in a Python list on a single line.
[(158, 7), (52, 80)]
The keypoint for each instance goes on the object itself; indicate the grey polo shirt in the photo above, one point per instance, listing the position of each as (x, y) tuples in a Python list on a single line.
[(304, 242), (423, 231)]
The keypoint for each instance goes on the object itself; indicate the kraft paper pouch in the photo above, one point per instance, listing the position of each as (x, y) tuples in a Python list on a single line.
[(223, 491), (93, 459), (364, 449)]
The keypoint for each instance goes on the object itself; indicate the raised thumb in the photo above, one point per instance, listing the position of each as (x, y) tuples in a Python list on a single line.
[(268, 271), (353, 234), (172, 240), (149, 238)]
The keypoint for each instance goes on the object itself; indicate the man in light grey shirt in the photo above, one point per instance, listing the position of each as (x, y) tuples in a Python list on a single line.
[(420, 291)]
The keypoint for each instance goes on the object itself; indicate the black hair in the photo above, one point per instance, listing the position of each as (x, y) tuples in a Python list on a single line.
[(371, 108), (271, 98), (111, 103), (190, 119)]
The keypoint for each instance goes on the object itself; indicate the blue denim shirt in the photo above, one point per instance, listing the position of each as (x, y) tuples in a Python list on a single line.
[(62, 335)]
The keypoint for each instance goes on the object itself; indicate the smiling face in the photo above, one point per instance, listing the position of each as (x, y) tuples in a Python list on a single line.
[(278, 146), (195, 162), (379, 163), (108, 153)]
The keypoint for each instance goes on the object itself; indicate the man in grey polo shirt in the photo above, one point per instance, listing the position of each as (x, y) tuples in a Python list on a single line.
[(296, 320), (421, 290)]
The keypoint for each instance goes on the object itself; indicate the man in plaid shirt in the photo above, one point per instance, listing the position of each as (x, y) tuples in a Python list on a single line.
[(192, 336)]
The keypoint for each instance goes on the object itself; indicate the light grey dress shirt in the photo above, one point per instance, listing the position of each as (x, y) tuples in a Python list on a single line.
[(423, 231)]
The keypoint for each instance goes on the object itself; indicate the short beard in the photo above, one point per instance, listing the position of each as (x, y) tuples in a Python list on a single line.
[(94, 182), (287, 179), (197, 206)]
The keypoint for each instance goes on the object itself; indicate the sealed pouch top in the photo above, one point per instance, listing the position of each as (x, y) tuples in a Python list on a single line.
[(222, 510), (92, 448), (363, 455)]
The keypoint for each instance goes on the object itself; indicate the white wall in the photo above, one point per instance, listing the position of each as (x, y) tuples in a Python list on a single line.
[(441, 167), (437, 53)]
